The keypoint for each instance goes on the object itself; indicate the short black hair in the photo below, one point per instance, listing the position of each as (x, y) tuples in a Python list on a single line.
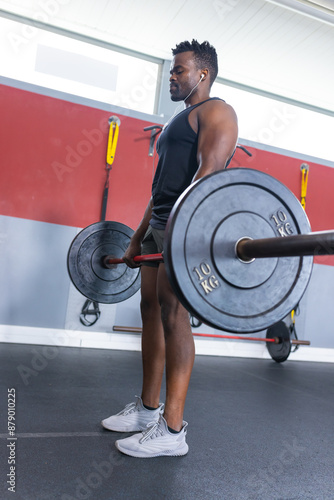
[(205, 55)]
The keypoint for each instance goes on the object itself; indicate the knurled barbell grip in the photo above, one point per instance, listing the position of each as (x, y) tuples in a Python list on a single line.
[(318, 243), (109, 261)]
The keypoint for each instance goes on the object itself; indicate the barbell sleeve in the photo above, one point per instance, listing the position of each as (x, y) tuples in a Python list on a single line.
[(318, 243)]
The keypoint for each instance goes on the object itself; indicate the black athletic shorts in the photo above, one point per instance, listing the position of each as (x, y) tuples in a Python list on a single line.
[(153, 242)]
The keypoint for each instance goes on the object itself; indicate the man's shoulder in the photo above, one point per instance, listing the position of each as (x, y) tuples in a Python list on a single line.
[(214, 107), (216, 103)]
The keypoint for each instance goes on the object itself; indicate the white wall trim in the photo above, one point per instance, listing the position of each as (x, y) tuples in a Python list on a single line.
[(131, 342)]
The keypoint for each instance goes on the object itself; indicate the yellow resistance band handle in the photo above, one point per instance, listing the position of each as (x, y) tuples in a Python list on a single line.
[(114, 122), (304, 169)]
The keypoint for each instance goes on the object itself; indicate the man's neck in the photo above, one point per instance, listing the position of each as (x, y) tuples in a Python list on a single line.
[(196, 99)]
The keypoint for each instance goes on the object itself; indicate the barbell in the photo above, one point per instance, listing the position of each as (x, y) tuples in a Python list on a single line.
[(238, 252), (278, 339)]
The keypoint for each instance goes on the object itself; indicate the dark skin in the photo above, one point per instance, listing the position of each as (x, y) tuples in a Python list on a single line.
[(167, 338)]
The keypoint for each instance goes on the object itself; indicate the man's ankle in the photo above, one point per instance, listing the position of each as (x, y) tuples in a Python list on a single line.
[(150, 407)]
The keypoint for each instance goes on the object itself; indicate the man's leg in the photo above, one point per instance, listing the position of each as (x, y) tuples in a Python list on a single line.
[(153, 342), (177, 342), (135, 416), (180, 351)]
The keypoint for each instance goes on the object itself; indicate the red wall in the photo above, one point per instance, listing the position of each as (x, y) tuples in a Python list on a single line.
[(53, 165), (53, 162)]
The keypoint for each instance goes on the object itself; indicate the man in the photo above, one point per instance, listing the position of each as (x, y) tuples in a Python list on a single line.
[(198, 141)]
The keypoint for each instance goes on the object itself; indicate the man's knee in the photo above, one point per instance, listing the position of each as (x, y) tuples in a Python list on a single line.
[(173, 316), (149, 307)]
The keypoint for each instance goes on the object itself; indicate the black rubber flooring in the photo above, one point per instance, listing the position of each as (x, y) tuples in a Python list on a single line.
[(257, 429)]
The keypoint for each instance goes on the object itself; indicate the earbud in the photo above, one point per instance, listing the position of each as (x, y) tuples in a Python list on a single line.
[(197, 84)]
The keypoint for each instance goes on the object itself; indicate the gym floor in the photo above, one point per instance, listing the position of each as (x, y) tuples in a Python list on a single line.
[(257, 429)]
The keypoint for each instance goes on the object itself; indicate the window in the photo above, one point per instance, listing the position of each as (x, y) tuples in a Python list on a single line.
[(61, 63), (279, 124)]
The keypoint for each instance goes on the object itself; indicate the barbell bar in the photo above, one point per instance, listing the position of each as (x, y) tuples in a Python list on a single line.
[(225, 252), (275, 340), (278, 339), (109, 261), (316, 243), (246, 249)]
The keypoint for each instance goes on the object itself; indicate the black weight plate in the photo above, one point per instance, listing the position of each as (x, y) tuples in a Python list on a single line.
[(279, 352), (85, 263), (203, 229)]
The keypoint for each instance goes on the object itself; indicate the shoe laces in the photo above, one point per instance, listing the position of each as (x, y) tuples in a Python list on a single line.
[(153, 431), (129, 408)]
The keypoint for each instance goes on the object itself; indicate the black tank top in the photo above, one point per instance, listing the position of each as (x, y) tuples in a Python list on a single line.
[(177, 150)]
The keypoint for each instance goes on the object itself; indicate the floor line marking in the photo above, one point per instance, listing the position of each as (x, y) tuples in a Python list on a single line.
[(52, 435)]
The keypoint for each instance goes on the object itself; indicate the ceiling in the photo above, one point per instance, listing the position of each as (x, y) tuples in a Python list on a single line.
[(284, 47)]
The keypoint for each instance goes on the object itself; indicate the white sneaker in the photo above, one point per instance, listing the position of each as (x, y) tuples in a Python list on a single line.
[(156, 441), (134, 417)]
